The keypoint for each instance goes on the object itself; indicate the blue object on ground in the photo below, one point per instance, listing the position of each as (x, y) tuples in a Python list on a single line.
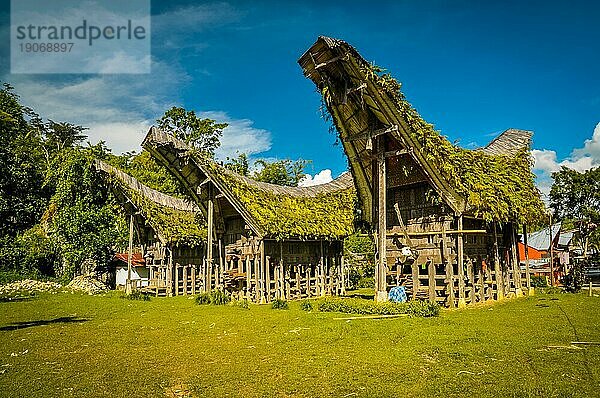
[(398, 294)]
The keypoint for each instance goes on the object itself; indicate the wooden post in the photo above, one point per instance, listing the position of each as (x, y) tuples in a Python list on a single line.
[(449, 269), (431, 273), (262, 272), (515, 259), (530, 290), (185, 280), (308, 292), (276, 279), (221, 265), (268, 277), (298, 282), (471, 276), (128, 288), (481, 278), (497, 267), (248, 279), (256, 263), (177, 279), (209, 247), (343, 274), (380, 268), (194, 279), (461, 271), (416, 283)]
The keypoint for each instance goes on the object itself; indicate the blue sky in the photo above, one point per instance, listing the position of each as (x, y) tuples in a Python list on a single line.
[(473, 69)]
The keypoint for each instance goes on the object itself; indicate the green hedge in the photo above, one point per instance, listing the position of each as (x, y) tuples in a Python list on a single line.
[(368, 307)]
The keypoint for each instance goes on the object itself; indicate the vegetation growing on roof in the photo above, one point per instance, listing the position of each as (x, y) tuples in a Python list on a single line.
[(326, 215), (176, 226), (498, 187)]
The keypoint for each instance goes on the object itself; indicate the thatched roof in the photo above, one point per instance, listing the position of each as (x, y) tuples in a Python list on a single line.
[(509, 143), (494, 183), (174, 220), (320, 211)]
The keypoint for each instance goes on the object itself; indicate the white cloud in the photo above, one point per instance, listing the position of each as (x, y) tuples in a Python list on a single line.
[(321, 177), (240, 136), (580, 159)]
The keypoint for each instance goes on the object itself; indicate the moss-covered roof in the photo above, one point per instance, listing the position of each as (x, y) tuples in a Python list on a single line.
[(280, 212), (495, 183), (322, 211), (174, 220)]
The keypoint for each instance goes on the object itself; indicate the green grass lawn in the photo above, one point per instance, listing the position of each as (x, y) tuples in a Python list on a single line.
[(108, 346)]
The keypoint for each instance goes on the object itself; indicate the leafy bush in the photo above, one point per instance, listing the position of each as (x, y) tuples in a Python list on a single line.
[(361, 306), (353, 277), (576, 278), (551, 290), (137, 295), (539, 281), (279, 304), (306, 305), (241, 303), (214, 297), (423, 309), (367, 282)]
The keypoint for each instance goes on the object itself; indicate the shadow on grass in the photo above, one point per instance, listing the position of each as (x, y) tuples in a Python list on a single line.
[(15, 299), (24, 325)]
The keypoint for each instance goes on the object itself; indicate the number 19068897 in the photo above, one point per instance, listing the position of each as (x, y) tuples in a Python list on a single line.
[(46, 47)]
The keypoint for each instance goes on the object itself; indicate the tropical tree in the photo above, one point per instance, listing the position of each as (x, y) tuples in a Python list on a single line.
[(280, 172), (201, 133), (576, 196)]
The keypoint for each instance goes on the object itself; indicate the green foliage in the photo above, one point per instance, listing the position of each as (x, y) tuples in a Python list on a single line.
[(244, 303), (202, 134), (282, 216), (576, 196), (22, 197), (576, 278), (359, 253), (144, 168), (174, 225), (539, 281), (498, 187), (214, 297), (83, 219), (306, 305), (279, 304), (423, 309), (137, 295), (239, 165), (361, 306), (365, 282), (285, 172)]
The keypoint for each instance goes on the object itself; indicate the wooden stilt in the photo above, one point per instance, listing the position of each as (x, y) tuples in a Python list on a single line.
[(481, 279), (268, 277), (471, 276), (530, 290), (460, 264), (177, 279), (416, 283), (380, 267), (185, 280), (449, 269), (514, 248), (497, 267), (209, 247), (432, 284)]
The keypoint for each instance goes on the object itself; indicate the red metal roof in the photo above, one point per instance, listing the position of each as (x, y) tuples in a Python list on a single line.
[(136, 259)]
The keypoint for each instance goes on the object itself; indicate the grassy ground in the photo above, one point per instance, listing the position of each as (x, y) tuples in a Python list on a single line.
[(77, 345)]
